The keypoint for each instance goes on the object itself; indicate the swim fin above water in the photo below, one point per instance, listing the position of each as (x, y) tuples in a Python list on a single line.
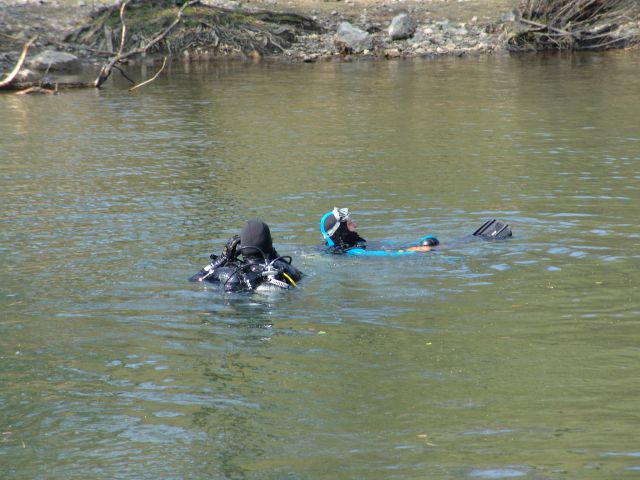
[(493, 230)]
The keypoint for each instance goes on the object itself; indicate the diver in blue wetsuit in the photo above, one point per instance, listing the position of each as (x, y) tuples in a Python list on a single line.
[(341, 236)]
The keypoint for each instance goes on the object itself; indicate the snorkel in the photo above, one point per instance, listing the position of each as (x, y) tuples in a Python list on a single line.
[(341, 215), (324, 233)]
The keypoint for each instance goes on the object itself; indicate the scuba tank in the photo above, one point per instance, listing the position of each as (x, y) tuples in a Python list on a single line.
[(248, 268), (242, 275), (253, 274)]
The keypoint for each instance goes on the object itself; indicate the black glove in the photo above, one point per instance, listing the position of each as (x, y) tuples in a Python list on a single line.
[(228, 253), (229, 249), (217, 261)]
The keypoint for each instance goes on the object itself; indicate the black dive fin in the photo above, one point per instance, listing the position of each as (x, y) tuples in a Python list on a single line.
[(493, 230)]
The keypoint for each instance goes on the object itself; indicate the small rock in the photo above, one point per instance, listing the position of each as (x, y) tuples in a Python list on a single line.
[(402, 27), (508, 17), (392, 53), (350, 39), (26, 75), (55, 61), (286, 33)]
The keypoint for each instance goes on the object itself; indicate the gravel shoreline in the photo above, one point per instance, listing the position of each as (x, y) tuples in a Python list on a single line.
[(441, 28)]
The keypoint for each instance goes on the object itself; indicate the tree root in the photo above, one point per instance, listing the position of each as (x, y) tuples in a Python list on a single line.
[(4, 84), (105, 71), (574, 24), (158, 26)]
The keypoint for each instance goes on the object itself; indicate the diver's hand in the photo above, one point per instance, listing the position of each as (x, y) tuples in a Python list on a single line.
[(229, 249), (217, 261), (419, 248)]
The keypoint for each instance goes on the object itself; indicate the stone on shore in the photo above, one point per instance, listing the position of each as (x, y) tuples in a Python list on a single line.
[(56, 61), (350, 39), (402, 26)]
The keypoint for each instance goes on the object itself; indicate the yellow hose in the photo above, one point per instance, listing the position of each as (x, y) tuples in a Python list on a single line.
[(290, 279)]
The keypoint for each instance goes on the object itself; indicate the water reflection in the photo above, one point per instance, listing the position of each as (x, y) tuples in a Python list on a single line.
[(487, 360)]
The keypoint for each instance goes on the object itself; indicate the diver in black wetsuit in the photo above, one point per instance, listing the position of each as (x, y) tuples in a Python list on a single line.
[(249, 261)]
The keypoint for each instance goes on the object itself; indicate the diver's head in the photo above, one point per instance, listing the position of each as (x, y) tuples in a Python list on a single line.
[(255, 239), (338, 228)]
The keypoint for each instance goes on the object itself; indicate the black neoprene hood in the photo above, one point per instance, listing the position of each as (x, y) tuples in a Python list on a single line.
[(256, 234)]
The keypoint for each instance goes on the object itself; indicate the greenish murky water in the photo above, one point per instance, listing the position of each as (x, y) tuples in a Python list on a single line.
[(483, 360)]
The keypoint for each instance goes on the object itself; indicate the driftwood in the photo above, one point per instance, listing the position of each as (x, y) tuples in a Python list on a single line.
[(12, 75), (45, 85), (159, 27), (105, 71), (575, 24), (204, 31), (164, 62), (32, 90), (24, 88), (8, 82)]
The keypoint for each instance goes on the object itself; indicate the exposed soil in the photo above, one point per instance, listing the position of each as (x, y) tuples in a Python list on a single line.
[(455, 11), (52, 21), (444, 27)]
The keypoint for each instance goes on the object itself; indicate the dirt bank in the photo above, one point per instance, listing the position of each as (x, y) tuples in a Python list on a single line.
[(300, 30), (53, 21)]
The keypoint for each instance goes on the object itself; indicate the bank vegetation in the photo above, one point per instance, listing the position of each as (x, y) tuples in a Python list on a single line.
[(119, 34), (575, 25)]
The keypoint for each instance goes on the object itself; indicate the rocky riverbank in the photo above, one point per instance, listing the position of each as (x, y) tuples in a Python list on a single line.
[(349, 27), (298, 31)]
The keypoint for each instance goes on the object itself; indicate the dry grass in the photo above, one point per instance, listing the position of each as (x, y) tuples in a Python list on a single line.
[(201, 27), (576, 24)]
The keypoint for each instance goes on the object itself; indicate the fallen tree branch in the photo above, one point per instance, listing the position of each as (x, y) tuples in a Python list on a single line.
[(544, 27), (123, 74), (17, 86), (9, 78), (105, 71), (32, 90), (10, 37), (123, 33), (610, 42), (575, 24), (164, 62)]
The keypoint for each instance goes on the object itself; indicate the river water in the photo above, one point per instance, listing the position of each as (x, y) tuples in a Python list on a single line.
[(515, 359)]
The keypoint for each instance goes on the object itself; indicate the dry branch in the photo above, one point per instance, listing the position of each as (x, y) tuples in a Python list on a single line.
[(158, 26), (164, 62), (575, 24), (32, 90), (123, 33), (10, 77), (105, 71), (47, 85)]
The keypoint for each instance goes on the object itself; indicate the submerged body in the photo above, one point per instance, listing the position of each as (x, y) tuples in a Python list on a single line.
[(341, 237)]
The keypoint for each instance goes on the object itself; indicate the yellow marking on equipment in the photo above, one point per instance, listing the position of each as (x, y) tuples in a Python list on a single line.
[(290, 279)]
